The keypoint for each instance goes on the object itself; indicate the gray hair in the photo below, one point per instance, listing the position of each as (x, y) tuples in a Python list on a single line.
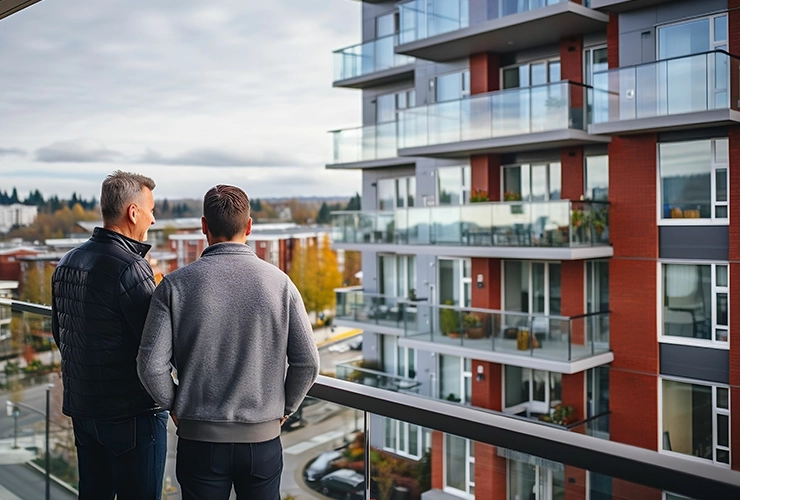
[(119, 190)]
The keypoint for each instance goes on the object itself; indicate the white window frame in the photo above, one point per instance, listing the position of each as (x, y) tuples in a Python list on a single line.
[(465, 190), (547, 61), (469, 469), (400, 268), (713, 166), (531, 405), (465, 282), (713, 44), (464, 382), (403, 449), (715, 289), (530, 287), (548, 167), (465, 85), (716, 410)]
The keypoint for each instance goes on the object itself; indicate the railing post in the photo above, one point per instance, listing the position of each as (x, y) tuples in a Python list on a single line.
[(47, 442)]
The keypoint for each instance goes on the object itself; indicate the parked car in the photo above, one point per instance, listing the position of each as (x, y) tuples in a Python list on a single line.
[(345, 484), (322, 465)]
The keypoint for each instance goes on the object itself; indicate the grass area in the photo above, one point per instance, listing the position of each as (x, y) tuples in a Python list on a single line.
[(61, 469)]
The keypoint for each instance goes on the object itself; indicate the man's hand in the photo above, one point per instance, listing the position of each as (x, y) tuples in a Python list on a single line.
[(284, 419), (174, 418)]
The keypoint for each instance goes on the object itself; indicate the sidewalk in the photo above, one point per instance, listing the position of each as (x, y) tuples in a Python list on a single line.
[(328, 335)]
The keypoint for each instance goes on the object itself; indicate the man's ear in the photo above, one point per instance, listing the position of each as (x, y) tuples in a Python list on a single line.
[(249, 226), (132, 213), (203, 225)]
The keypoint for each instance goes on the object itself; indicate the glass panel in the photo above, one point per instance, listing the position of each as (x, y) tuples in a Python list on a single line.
[(386, 194), (511, 78), (720, 28), (685, 179), (721, 151), (456, 459), (555, 289), (539, 184), (450, 186), (722, 309), (687, 301), (449, 87), (722, 335), (722, 276), (722, 430), (512, 183), (386, 108), (538, 73), (722, 398), (450, 378), (412, 191), (554, 71), (516, 390), (555, 389), (539, 291), (722, 184), (723, 456), (555, 181), (540, 385), (597, 177), (721, 212), (683, 39), (686, 417)]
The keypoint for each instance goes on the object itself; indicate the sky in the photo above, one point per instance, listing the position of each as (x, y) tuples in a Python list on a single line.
[(189, 92)]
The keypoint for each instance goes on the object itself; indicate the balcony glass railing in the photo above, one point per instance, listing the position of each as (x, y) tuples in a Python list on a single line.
[(561, 223), (368, 57), (554, 337), (422, 19), (377, 378), (374, 309), (415, 445), (700, 82), (373, 142), (530, 110)]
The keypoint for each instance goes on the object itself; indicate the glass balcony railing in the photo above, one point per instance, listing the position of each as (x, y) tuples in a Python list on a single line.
[(373, 142), (374, 309), (377, 378), (554, 337), (422, 19), (415, 446), (700, 82), (368, 57), (530, 110), (561, 223)]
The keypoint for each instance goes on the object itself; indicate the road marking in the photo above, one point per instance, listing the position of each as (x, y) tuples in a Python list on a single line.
[(315, 441)]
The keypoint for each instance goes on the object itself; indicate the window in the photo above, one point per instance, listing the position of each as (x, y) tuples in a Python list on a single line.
[(530, 392), (532, 287), (387, 24), (535, 478), (455, 379), (388, 105), (531, 74), (595, 60), (596, 181), (451, 87), (397, 275), (533, 182), (693, 37), (597, 300), (402, 438), (694, 181), (454, 185), (396, 193), (696, 420), (597, 386), (459, 465), (695, 299)]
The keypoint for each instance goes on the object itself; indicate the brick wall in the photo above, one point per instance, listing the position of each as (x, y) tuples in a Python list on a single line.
[(484, 73), (573, 393), (634, 409), (612, 40), (490, 473), (486, 175), (575, 483), (572, 173), (437, 460), (571, 52)]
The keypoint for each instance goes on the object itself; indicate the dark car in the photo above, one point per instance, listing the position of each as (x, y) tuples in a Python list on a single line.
[(322, 465), (343, 483)]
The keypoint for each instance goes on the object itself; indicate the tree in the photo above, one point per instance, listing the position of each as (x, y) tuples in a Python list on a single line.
[(324, 214), (315, 272), (354, 203), (352, 265)]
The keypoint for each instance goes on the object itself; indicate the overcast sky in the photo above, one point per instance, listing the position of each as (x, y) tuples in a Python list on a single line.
[(190, 92)]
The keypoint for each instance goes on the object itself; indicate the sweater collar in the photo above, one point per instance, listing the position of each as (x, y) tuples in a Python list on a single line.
[(104, 235), (227, 247)]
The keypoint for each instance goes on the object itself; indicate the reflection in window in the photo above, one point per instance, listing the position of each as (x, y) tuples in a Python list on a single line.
[(454, 185), (532, 182), (694, 179), (695, 420), (597, 177), (695, 306)]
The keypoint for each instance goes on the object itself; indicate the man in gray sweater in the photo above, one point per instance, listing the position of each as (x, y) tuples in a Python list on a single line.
[(236, 332)]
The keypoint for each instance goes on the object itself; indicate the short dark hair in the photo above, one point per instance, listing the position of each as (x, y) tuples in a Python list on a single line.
[(227, 210), (118, 191)]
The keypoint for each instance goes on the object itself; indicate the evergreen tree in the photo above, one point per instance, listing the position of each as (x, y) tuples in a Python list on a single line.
[(324, 214), (14, 197), (354, 203)]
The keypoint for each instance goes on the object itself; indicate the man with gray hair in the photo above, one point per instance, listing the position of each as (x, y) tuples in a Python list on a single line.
[(101, 294)]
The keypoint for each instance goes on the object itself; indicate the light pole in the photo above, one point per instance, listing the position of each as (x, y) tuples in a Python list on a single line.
[(13, 410)]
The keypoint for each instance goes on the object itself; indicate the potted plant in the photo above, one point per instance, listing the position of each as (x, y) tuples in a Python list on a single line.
[(512, 196), (479, 196), (449, 322), (560, 415), (472, 322)]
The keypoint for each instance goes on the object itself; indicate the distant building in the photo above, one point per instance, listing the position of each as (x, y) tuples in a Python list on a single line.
[(9, 261), (17, 214)]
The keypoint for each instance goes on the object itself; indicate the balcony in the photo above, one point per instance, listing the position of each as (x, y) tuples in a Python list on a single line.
[(371, 63), (443, 30), (541, 117), (555, 343), (8, 7), (377, 378), (673, 94), (366, 147), (559, 230)]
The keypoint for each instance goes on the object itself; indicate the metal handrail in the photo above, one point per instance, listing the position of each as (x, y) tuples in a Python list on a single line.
[(631, 463)]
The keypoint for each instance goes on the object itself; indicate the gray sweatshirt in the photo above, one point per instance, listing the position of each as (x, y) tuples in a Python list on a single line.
[(238, 335)]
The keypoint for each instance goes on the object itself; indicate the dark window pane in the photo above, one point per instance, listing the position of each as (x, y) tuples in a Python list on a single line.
[(722, 309), (722, 430)]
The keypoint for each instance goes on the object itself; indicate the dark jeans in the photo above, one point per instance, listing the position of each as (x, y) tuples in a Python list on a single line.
[(207, 470), (124, 458)]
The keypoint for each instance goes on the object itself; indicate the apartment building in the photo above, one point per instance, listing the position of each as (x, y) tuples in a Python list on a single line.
[(549, 228)]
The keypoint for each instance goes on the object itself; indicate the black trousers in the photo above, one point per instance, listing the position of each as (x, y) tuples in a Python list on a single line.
[(208, 470)]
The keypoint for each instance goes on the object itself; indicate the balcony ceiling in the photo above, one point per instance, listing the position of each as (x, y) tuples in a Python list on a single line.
[(508, 144), (498, 252), (386, 162), (8, 7), (541, 26), (391, 75), (624, 5)]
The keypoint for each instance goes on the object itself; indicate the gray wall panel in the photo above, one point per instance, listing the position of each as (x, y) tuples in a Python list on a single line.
[(711, 365), (693, 242)]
